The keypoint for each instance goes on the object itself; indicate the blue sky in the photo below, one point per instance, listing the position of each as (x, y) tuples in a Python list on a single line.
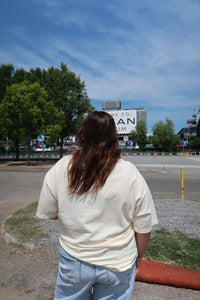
[(145, 53)]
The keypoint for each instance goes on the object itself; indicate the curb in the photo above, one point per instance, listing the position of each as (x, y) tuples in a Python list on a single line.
[(162, 273)]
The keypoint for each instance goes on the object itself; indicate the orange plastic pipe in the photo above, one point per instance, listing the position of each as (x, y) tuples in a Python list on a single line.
[(162, 273)]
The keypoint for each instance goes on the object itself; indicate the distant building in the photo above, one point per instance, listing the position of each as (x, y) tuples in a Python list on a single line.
[(198, 121), (110, 105), (125, 120), (193, 129)]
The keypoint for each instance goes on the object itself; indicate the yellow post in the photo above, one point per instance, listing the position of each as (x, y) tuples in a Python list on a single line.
[(163, 163), (182, 184)]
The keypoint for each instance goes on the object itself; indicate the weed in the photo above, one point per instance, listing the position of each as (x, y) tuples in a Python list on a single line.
[(174, 247), (24, 224)]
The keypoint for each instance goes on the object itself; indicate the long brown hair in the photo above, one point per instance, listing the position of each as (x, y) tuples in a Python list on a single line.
[(91, 165)]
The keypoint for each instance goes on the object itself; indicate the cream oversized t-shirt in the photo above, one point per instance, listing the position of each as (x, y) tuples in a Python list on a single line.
[(98, 228)]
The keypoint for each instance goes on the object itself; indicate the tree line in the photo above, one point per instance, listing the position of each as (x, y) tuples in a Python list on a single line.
[(163, 138), (52, 102)]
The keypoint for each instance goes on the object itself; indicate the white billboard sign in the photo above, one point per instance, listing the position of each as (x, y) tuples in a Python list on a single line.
[(125, 120)]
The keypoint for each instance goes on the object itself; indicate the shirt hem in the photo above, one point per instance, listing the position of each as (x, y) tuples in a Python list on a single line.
[(93, 262), (45, 217)]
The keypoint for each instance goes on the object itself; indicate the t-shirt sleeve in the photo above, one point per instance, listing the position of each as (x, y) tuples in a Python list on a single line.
[(145, 214), (48, 204)]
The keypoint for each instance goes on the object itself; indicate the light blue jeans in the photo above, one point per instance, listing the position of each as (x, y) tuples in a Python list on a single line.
[(78, 280)]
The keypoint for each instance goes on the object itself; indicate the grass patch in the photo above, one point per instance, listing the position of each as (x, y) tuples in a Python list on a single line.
[(175, 248), (171, 247), (24, 224)]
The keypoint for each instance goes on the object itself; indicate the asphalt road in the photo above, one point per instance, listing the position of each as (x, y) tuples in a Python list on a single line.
[(163, 175), (18, 188), (20, 185), (168, 186)]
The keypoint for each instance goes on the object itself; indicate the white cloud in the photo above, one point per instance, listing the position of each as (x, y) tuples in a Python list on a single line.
[(146, 51), (22, 57), (63, 13)]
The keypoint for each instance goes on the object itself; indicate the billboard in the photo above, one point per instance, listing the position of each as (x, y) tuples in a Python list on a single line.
[(125, 120)]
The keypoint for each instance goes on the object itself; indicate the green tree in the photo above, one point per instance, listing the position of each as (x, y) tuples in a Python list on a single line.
[(26, 112), (19, 76), (164, 138), (50, 142), (195, 143), (133, 136), (141, 130), (37, 75), (140, 135), (69, 96), (10, 117), (6, 73), (8, 76), (64, 88)]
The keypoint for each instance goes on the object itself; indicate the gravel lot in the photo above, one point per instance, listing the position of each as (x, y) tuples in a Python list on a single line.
[(172, 214)]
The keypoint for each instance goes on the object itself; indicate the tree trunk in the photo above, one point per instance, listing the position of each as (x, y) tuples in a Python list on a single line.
[(61, 147), (17, 149), (28, 144)]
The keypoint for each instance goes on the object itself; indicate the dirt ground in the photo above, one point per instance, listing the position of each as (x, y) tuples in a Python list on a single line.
[(31, 274)]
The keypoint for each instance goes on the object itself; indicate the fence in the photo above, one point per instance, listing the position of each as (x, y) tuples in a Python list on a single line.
[(125, 151)]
